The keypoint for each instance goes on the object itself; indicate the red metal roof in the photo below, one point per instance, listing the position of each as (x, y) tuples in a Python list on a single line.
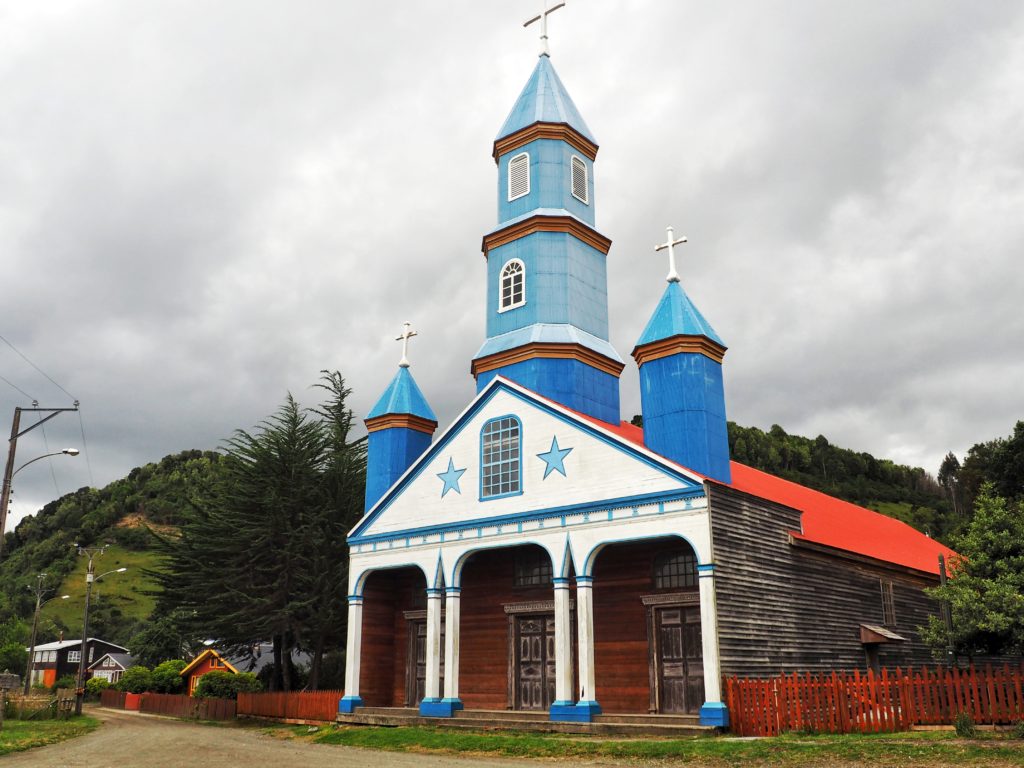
[(826, 520)]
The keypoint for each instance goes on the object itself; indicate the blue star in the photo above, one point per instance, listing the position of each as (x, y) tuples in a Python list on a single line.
[(554, 458), (451, 478)]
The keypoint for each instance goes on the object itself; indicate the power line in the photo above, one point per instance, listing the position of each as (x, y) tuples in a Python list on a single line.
[(40, 370), (46, 445), (85, 447), (15, 386)]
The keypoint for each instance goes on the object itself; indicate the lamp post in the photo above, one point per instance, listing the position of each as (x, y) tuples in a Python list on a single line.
[(35, 626), (9, 471), (90, 577)]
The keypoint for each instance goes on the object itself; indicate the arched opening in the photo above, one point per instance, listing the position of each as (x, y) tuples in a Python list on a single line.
[(647, 640), (393, 670), (507, 629)]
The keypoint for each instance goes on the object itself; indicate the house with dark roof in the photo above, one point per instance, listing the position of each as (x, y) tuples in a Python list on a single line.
[(52, 661), (111, 666), (540, 554)]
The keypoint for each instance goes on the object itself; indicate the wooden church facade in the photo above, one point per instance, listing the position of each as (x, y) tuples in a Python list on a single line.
[(540, 554)]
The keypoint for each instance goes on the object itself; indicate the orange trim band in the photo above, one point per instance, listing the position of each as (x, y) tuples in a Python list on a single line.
[(700, 345), (540, 223), (401, 420), (550, 351), (558, 131)]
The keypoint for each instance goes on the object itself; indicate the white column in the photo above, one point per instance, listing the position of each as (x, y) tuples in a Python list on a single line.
[(585, 637), (713, 712), (433, 681), (563, 644), (353, 650), (451, 644)]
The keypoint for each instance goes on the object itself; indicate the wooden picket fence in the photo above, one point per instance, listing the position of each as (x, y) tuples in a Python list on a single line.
[(179, 705), (843, 702), (112, 698), (320, 706)]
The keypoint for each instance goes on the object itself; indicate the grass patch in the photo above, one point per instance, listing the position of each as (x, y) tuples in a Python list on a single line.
[(913, 749), (19, 735), (124, 591)]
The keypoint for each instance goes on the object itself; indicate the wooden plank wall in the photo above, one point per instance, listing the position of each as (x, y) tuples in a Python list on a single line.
[(783, 609), (385, 638)]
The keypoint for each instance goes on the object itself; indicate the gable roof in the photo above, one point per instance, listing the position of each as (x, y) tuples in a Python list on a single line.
[(202, 657), (123, 660), (826, 520), (61, 644)]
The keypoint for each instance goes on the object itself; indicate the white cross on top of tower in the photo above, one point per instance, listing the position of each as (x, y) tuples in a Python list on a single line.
[(407, 333), (543, 19), (673, 276)]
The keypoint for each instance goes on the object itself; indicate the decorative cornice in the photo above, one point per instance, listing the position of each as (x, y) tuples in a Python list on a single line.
[(672, 598), (541, 223), (534, 606), (557, 131), (675, 345), (400, 421), (551, 351)]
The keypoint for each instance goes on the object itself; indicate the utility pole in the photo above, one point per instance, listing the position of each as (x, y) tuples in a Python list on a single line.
[(35, 626), (89, 578), (16, 432)]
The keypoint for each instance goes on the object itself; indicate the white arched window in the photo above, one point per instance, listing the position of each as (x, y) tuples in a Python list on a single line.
[(513, 285), (519, 176), (580, 189)]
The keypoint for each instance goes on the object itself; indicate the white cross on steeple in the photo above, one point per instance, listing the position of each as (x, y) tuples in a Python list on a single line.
[(543, 19), (673, 276), (407, 333)]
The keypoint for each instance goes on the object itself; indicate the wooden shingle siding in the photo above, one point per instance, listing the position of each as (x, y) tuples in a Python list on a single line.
[(783, 608)]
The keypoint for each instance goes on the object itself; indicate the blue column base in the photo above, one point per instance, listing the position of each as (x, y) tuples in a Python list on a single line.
[(347, 704), (567, 712), (714, 713), (439, 707)]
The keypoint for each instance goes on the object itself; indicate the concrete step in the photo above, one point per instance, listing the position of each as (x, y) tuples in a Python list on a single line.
[(501, 714), (652, 719)]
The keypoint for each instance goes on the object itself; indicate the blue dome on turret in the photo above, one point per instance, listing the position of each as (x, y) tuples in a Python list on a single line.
[(544, 100), (676, 315), (403, 396)]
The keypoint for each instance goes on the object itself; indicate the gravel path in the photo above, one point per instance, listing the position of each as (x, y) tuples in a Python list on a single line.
[(128, 739)]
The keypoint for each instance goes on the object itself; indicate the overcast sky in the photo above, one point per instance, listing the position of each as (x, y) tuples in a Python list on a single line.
[(203, 204)]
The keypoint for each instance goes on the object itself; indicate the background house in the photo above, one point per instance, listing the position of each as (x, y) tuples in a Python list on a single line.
[(54, 660), (111, 666)]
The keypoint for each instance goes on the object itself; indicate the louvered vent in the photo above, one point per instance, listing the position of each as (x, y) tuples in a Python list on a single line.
[(579, 180), (519, 176)]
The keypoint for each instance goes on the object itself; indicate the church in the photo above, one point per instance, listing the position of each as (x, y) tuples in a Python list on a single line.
[(540, 554)]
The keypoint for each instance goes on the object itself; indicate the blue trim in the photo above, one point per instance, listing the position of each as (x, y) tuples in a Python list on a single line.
[(714, 713), (543, 514), (584, 581), (434, 592), (439, 707), (708, 567), (453, 590), (354, 599), (560, 581), (588, 707), (347, 704), (471, 411), (568, 712)]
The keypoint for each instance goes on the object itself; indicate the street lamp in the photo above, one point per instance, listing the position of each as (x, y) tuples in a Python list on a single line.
[(10, 472), (35, 625), (90, 577)]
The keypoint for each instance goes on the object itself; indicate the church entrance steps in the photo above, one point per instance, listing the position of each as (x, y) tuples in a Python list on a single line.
[(669, 726)]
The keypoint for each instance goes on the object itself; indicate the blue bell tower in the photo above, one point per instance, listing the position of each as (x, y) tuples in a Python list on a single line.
[(682, 394), (547, 283), (401, 426)]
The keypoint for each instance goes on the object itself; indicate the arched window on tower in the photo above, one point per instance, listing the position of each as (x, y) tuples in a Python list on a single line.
[(513, 285), (580, 188), (675, 569), (519, 176), (500, 457)]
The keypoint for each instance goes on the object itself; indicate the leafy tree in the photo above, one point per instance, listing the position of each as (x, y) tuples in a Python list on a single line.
[(165, 636), (166, 677), (265, 557), (14, 638), (225, 685), (986, 591), (137, 679)]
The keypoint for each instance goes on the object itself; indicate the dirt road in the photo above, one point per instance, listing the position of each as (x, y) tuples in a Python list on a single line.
[(130, 740)]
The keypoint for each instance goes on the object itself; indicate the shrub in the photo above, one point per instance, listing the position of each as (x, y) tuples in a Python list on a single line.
[(1018, 729), (135, 680), (224, 685), (964, 726), (167, 677), (67, 681), (94, 686)]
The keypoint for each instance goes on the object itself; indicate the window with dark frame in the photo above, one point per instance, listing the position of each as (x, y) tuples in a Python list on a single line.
[(532, 568), (500, 468), (888, 603), (675, 570)]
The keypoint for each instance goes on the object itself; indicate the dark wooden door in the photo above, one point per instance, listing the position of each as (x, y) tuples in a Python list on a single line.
[(416, 673), (534, 672), (680, 660)]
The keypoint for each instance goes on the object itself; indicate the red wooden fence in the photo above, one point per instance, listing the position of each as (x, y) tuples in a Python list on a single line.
[(113, 699), (843, 702), (188, 706), (296, 705)]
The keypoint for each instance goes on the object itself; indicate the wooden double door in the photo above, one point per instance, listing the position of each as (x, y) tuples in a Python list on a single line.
[(532, 667), (677, 659), (416, 667)]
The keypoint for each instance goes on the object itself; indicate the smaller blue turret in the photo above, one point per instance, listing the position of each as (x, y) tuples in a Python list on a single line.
[(681, 392), (401, 426)]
